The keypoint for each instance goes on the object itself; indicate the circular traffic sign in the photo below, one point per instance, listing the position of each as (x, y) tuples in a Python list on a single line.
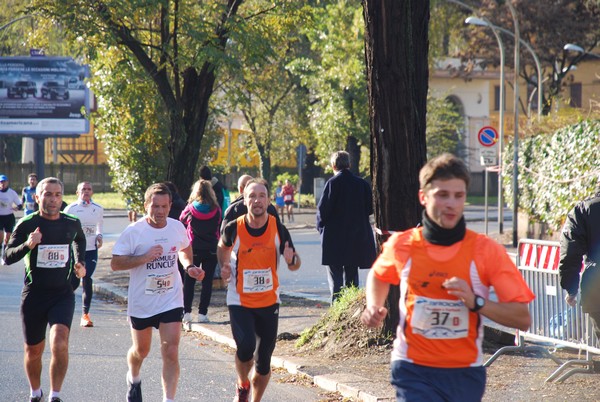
[(487, 136)]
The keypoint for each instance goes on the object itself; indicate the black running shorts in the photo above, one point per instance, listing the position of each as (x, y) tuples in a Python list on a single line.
[(43, 307)]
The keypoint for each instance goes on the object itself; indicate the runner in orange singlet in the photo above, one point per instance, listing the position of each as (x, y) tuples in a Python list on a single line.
[(445, 272), (255, 240)]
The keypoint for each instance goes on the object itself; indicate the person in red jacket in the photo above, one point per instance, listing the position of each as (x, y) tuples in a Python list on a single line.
[(288, 192), (445, 273)]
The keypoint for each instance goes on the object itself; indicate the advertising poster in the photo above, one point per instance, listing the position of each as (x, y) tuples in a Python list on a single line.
[(43, 96)]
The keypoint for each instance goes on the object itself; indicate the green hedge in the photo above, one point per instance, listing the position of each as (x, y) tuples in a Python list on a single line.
[(555, 171)]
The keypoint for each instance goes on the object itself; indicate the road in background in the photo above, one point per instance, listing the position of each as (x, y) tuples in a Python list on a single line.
[(310, 281)]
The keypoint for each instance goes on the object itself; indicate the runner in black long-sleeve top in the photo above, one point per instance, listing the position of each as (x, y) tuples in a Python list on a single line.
[(46, 239)]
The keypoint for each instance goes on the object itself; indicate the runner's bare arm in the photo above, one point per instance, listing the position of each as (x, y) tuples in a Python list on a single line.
[(510, 314), (186, 256), (376, 293), (224, 258)]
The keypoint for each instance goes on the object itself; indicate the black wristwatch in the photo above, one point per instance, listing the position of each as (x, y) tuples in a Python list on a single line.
[(479, 303), (188, 267)]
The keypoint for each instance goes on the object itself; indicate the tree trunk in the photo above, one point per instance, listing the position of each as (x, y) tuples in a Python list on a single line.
[(396, 47), (354, 151), (187, 131), (309, 172)]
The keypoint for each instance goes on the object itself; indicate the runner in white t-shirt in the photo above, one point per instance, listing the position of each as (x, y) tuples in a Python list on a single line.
[(9, 202), (149, 249), (91, 216)]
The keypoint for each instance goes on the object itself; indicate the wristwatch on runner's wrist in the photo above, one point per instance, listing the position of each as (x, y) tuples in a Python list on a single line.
[(479, 303)]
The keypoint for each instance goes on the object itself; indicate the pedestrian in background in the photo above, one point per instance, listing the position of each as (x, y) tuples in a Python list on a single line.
[(343, 221), (91, 216), (178, 204), (288, 199), (149, 250), (580, 246), (9, 202), (279, 201), (53, 245), (217, 186), (202, 219), (238, 206), (257, 239), (28, 194), (131, 214), (445, 273)]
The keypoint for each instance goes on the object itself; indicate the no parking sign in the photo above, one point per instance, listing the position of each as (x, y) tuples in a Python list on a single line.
[(487, 137)]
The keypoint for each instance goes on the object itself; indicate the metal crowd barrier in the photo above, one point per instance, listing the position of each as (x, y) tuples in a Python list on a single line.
[(553, 322)]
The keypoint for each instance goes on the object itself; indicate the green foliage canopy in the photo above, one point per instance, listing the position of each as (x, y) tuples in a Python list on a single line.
[(555, 171)]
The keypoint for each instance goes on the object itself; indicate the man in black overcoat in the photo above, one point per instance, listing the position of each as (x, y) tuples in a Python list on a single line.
[(343, 221)]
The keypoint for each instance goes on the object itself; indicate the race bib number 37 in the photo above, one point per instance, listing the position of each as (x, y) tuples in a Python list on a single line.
[(440, 319), (52, 255)]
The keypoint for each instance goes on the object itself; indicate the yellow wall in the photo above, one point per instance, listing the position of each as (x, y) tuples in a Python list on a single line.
[(236, 149), (85, 149)]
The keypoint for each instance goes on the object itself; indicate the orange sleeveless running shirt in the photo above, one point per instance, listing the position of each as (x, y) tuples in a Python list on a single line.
[(436, 329), (257, 283)]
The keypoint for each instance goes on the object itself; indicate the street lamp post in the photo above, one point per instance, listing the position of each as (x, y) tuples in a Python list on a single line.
[(484, 22), (571, 47), (515, 237), (536, 60)]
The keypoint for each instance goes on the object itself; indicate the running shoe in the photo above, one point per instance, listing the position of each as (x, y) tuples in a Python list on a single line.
[(37, 398), (203, 318), (135, 392), (56, 399), (187, 318), (242, 394), (86, 321)]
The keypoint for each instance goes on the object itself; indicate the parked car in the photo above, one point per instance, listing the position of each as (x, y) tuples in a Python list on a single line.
[(22, 89), (54, 89)]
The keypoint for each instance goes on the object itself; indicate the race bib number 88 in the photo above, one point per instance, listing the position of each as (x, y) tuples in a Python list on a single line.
[(52, 255)]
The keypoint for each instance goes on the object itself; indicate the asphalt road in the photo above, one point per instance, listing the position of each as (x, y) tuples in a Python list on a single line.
[(98, 358)]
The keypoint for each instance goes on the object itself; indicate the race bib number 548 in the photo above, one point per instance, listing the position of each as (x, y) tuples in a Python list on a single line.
[(52, 255)]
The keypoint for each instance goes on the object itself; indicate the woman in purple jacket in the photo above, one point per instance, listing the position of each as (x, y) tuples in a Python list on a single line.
[(202, 218)]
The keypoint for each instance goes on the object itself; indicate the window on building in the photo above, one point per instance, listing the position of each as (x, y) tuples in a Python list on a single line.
[(575, 94)]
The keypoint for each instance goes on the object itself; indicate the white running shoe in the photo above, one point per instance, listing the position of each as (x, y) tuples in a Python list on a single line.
[(187, 318), (203, 318)]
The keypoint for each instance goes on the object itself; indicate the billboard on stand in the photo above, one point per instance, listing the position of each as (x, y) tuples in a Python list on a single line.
[(43, 96)]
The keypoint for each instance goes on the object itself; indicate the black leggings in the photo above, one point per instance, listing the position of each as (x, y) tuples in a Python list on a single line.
[(249, 323), (208, 260)]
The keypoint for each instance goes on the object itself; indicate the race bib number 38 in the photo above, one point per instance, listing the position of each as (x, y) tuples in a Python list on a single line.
[(440, 319), (52, 255), (258, 280)]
